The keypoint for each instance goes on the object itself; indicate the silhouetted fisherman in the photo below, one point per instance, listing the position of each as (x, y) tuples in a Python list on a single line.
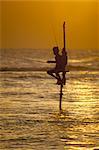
[(61, 61)]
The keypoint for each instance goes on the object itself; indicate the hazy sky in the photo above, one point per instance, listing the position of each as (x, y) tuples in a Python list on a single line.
[(38, 24)]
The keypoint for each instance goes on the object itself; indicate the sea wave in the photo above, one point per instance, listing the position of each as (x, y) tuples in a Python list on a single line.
[(68, 68)]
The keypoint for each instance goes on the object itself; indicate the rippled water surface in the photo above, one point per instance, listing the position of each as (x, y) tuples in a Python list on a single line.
[(29, 111), (29, 102)]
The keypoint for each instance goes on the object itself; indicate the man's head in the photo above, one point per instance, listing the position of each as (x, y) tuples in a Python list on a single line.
[(55, 50)]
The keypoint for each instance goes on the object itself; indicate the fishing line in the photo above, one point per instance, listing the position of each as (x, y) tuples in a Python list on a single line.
[(54, 34), (52, 27)]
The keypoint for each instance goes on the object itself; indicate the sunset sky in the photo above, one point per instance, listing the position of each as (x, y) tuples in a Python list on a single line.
[(38, 24)]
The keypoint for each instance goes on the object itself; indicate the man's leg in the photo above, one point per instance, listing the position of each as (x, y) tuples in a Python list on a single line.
[(58, 76), (59, 80), (64, 78), (51, 72)]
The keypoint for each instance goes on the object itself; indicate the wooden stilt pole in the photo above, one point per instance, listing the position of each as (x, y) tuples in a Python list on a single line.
[(61, 86), (64, 36), (60, 102)]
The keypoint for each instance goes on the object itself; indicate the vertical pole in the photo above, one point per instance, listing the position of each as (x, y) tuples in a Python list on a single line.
[(60, 103), (61, 86), (64, 36)]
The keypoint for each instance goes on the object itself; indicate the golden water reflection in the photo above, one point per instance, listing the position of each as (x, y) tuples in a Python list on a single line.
[(30, 118)]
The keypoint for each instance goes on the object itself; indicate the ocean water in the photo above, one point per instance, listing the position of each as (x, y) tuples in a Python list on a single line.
[(29, 102)]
